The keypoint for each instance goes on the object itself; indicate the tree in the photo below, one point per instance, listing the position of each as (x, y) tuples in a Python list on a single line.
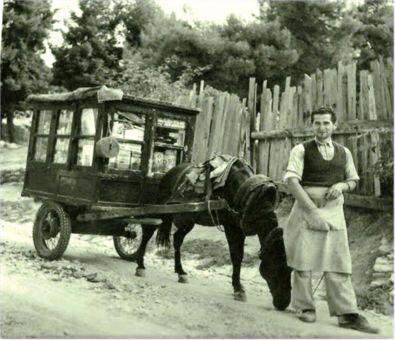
[(26, 25), (90, 53), (225, 56), (321, 32), (374, 36)]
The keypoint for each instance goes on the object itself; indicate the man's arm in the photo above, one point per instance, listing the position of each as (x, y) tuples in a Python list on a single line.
[(349, 184), (300, 195), (314, 219)]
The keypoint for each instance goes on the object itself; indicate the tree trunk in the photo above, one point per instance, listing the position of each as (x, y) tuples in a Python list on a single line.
[(10, 127)]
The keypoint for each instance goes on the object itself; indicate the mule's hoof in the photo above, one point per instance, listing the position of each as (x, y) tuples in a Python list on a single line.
[(140, 272), (240, 296), (182, 278)]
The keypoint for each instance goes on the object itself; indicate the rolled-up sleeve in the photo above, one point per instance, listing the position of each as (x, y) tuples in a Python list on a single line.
[(295, 163), (351, 172)]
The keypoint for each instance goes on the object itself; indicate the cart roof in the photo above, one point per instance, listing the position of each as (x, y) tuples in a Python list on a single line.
[(103, 94)]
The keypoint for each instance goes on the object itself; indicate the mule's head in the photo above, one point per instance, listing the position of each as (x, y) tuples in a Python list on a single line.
[(274, 268)]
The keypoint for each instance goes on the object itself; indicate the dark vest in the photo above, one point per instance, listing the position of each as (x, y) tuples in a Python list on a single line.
[(319, 172)]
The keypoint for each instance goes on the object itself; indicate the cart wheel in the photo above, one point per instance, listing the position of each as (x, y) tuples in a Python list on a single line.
[(126, 247), (51, 231)]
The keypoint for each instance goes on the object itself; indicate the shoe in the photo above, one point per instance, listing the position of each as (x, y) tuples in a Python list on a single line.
[(307, 315), (356, 322)]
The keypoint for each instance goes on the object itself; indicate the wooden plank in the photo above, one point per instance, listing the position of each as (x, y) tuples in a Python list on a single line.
[(215, 131), (192, 97), (358, 201), (299, 101), (368, 202), (230, 123), (378, 90), (327, 81), (156, 209), (243, 132), (251, 102), (264, 157), (340, 103), (233, 147), (374, 158), (319, 93), (362, 165), (291, 108), (313, 92), (372, 114), (275, 109), (333, 89), (307, 100), (202, 131), (354, 150), (268, 123), (283, 110), (254, 145), (224, 118), (201, 95), (390, 79), (387, 93), (351, 91), (363, 95), (366, 158), (247, 153), (273, 158), (286, 150), (344, 128)]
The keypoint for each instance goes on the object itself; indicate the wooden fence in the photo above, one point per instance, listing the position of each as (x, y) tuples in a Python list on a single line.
[(265, 127), (222, 125)]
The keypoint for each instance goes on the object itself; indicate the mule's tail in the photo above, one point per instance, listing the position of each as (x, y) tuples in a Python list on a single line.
[(163, 234)]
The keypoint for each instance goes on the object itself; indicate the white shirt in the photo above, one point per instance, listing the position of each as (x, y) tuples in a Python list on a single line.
[(326, 149)]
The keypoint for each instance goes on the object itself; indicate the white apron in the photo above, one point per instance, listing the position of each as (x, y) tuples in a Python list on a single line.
[(316, 250)]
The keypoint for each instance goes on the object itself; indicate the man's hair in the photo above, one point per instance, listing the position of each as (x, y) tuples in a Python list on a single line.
[(323, 111)]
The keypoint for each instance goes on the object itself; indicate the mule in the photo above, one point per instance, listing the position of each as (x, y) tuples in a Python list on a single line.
[(254, 213)]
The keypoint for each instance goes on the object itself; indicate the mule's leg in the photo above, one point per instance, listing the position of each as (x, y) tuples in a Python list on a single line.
[(178, 238), (148, 231), (236, 238)]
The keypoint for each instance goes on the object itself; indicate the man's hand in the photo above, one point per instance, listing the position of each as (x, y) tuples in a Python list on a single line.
[(334, 191), (315, 221)]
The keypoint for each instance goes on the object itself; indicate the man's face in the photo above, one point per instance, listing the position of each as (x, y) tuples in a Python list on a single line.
[(323, 126)]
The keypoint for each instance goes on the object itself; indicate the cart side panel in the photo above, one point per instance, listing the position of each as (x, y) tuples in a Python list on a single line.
[(117, 191), (39, 178), (150, 192), (80, 187)]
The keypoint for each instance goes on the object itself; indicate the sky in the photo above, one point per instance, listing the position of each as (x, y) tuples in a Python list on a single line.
[(203, 10)]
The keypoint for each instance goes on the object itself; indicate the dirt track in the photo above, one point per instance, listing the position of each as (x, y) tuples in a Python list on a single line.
[(93, 293)]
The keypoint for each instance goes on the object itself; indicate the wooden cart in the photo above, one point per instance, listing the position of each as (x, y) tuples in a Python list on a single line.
[(95, 159)]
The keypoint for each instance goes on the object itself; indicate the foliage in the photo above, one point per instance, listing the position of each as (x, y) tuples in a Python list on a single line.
[(152, 82), (384, 167), (26, 26), (374, 36), (90, 53), (226, 55), (321, 32)]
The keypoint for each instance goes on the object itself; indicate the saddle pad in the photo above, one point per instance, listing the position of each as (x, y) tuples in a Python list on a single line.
[(220, 166)]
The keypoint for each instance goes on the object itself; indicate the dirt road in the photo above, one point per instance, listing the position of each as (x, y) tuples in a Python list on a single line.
[(93, 293)]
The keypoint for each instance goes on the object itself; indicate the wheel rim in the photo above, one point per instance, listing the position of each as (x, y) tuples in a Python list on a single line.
[(130, 244), (50, 230)]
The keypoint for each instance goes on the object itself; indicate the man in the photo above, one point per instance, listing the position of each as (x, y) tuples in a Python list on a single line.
[(315, 238)]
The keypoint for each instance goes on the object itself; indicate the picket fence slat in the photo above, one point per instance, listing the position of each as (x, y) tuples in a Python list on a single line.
[(386, 94), (351, 91), (341, 104)]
